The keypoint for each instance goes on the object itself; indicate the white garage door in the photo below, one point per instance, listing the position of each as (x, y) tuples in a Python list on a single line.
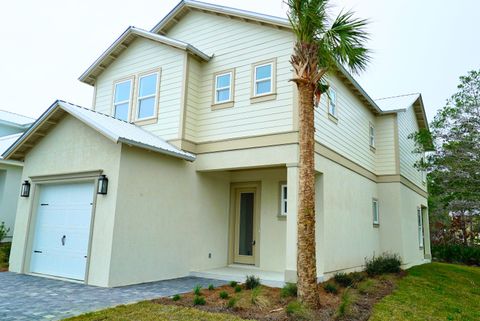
[(62, 230)]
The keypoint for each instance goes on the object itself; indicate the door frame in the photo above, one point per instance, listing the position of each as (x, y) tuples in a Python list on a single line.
[(37, 183), (235, 188)]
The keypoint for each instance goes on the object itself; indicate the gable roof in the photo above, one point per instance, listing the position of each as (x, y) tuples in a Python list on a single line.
[(122, 43), (114, 129), (402, 103), (15, 119)]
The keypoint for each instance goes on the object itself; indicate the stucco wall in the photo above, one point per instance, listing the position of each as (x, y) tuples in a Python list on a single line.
[(10, 181), (71, 147)]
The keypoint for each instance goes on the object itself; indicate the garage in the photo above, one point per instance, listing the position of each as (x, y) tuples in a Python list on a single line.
[(62, 230)]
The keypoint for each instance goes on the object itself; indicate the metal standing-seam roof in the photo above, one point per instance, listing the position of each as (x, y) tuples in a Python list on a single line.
[(117, 130), (16, 119), (7, 141), (397, 102)]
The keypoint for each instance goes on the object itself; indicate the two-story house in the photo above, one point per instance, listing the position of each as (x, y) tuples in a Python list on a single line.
[(12, 126), (194, 126)]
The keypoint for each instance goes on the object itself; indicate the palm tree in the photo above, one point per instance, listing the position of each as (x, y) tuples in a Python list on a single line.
[(321, 44)]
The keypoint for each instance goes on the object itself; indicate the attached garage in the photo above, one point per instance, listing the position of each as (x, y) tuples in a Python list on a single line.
[(62, 230)]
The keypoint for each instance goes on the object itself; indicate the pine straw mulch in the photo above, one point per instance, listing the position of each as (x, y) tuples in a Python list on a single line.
[(349, 304)]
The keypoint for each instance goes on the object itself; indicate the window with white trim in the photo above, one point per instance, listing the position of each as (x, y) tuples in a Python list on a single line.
[(371, 132), (223, 87), (420, 226), (332, 102), (263, 79), (122, 99), (375, 212), (283, 200), (147, 96)]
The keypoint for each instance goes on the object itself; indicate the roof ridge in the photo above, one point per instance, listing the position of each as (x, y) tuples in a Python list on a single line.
[(398, 96)]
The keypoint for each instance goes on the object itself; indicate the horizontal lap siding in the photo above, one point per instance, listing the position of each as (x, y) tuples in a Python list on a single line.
[(193, 93), (385, 145), (235, 44), (407, 124), (143, 55), (350, 136)]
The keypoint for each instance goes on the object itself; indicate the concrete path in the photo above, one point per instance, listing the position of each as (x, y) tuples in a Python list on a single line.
[(25, 297)]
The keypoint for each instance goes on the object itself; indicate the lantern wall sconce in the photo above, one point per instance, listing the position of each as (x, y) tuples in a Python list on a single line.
[(25, 191), (102, 185)]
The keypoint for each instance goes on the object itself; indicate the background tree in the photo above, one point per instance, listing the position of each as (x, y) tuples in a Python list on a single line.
[(321, 43), (454, 166)]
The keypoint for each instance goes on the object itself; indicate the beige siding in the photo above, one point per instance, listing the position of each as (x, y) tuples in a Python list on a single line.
[(193, 94), (144, 55), (238, 46), (350, 135), (385, 145), (407, 124)]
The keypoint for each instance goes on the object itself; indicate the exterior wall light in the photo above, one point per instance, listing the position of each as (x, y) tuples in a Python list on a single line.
[(102, 185), (25, 191)]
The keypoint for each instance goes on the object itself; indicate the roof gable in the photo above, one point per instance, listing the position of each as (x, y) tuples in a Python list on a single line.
[(122, 43), (403, 102), (116, 130)]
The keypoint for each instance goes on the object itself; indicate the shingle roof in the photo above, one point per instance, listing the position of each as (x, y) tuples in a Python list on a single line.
[(397, 102), (7, 141), (117, 130), (14, 118)]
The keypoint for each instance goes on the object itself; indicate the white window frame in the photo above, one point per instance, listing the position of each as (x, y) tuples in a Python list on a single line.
[(329, 103), (375, 212), (226, 103), (283, 200), (273, 79), (139, 98), (371, 135), (115, 103), (421, 236)]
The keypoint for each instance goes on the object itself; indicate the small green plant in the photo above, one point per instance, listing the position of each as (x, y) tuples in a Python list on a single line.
[(232, 302), (223, 295), (358, 277), (298, 311), (211, 287), (197, 290), (289, 289), (176, 297), (233, 283), (330, 288), (257, 299), (366, 286), (199, 300), (343, 279), (238, 289), (385, 263), (3, 231), (252, 282), (345, 304)]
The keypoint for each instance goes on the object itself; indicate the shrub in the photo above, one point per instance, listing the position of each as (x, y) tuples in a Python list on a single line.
[(211, 287), (176, 297), (197, 290), (223, 295), (330, 288), (343, 279), (298, 311), (456, 253), (3, 231), (358, 277), (232, 302), (257, 299), (233, 283), (385, 263), (199, 300), (290, 289), (238, 288), (252, 282)]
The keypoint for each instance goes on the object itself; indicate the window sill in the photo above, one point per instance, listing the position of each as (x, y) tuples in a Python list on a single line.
[(373, 149), (262, 98), (282, 217), (227, 104), (333, 118), (146, 121)]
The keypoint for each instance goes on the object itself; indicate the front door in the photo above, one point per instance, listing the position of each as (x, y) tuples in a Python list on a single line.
[(245, 225)]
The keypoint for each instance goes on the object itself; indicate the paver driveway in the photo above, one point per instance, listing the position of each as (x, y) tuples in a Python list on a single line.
[(25, 297)]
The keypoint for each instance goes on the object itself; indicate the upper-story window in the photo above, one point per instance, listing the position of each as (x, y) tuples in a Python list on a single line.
[(371, 132), (332, 102), (122, 99), (223, 87), (147, 95), (264, 78)]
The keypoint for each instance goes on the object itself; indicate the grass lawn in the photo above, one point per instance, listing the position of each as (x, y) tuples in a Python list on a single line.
[(148, 310), (436, 291)]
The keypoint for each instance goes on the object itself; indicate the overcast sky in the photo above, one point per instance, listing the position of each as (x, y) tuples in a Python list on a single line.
[(419, 45)]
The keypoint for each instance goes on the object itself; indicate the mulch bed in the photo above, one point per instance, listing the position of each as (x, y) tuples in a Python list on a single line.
[(270, 306)]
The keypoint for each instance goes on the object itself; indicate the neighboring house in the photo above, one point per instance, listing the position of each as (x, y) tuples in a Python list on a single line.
[(202, 163), (11, 128)]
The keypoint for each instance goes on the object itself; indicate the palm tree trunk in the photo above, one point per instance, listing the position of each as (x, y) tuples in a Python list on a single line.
[(306, 260)]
